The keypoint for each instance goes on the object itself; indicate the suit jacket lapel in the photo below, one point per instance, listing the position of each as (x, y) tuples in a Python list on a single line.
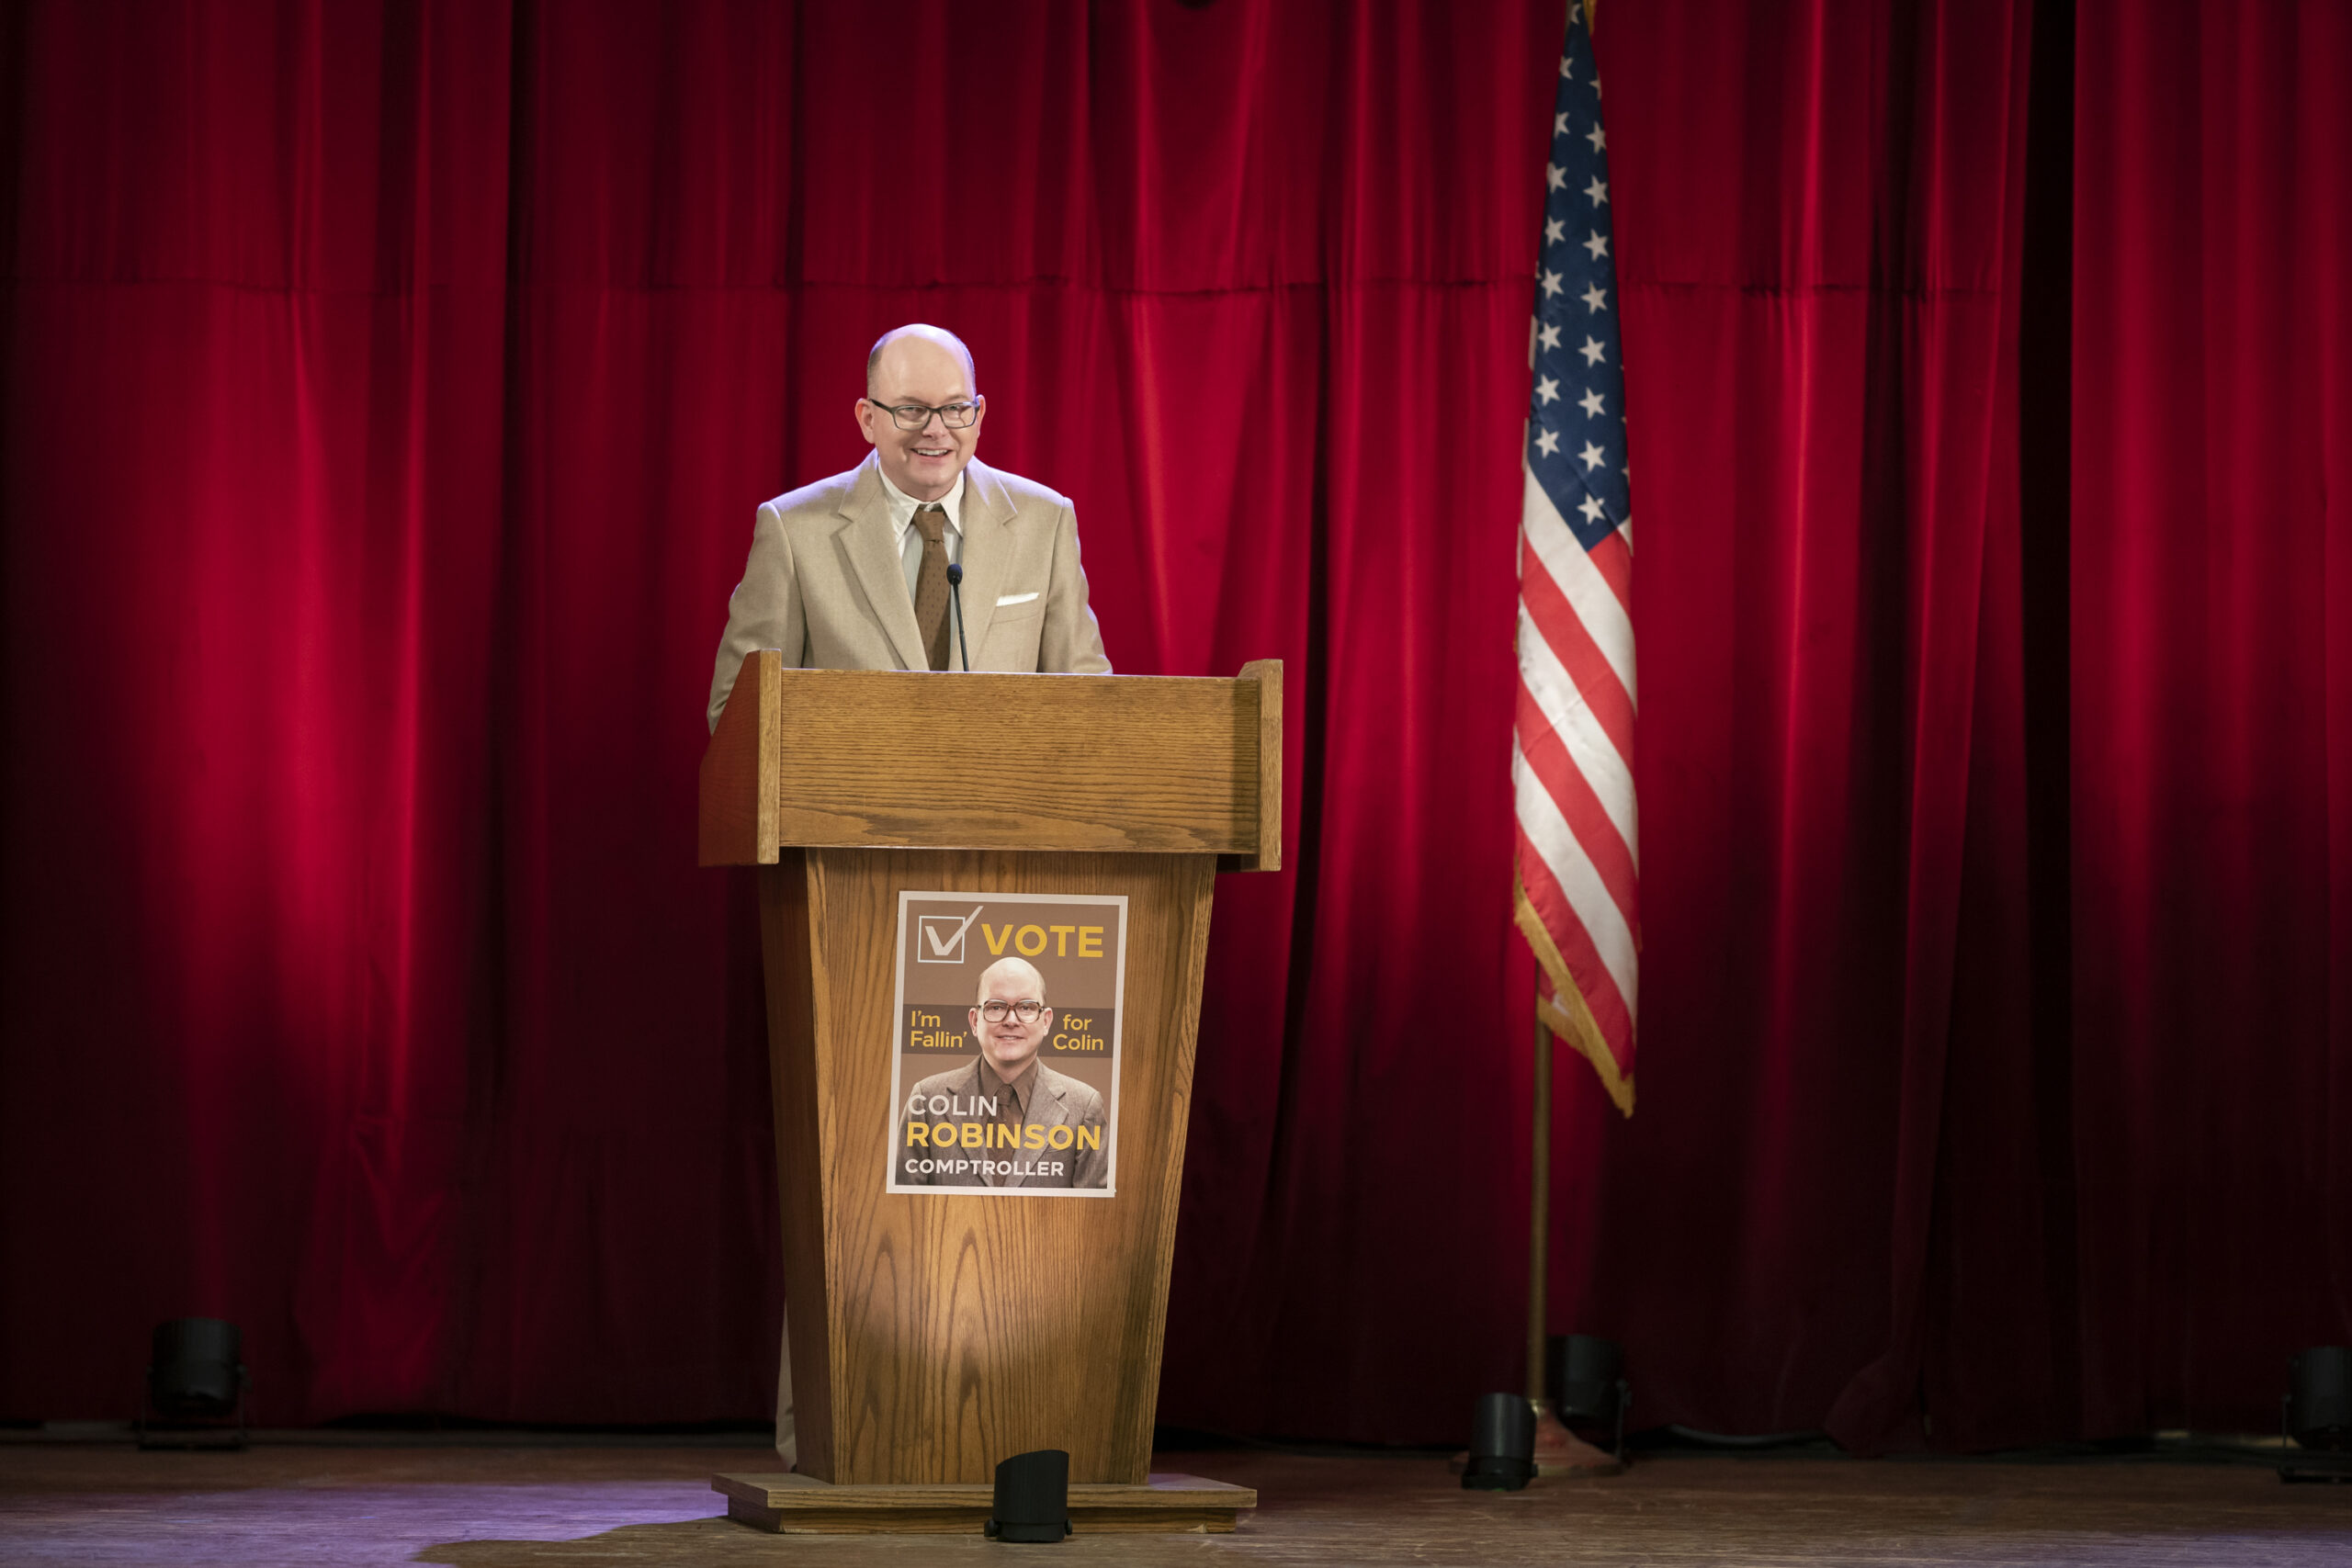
[(865, 541), (986, 551), (1050, 1111)]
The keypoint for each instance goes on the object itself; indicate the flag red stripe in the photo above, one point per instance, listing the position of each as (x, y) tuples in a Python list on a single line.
[(1565, 633), (1613, 558), (1580, 804), (1593, 979)]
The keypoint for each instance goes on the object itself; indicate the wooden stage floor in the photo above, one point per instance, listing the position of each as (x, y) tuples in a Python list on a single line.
[(483, 1507)]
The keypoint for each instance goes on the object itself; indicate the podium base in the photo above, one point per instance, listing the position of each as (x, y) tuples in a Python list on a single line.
[(801, 1505)]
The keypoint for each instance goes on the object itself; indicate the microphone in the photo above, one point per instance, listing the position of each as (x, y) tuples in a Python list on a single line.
[(956, 598)]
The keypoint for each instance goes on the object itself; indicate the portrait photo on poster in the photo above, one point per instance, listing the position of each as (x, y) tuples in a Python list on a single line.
[(1005, 1070)]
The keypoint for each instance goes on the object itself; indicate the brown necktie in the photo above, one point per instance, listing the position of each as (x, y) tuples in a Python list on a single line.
[(1008, 1113), (931, 583)]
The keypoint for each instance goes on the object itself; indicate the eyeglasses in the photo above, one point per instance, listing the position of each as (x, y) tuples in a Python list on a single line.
[(1026, 1011), (914, 416)]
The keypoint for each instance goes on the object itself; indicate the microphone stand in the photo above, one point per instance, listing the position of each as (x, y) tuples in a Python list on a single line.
[(956, 599)]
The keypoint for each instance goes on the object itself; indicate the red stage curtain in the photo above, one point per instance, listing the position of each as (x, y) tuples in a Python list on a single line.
[(2212, 622), (254, 537), (388, 389), (1819, 210)]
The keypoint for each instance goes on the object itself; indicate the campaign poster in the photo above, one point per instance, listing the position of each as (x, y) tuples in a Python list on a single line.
[(1005, 1071)]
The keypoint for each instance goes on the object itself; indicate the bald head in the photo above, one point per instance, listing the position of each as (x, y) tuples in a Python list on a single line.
[(907, 354), (911, 368), (1012, 979)]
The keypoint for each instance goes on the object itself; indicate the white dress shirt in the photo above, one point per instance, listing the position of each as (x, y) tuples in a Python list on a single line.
[(902, 525)]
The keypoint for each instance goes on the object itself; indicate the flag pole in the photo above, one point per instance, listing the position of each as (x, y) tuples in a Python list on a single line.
[(1539, 1223), (1558, 1451), (1550, 500)]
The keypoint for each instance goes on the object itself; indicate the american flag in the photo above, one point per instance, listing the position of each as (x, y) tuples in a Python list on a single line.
[(1572, 746)]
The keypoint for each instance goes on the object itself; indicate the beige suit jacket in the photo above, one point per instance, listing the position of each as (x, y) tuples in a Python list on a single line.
[(824, 583)]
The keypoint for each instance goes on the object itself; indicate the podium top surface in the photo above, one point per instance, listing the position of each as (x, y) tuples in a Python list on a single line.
[(897, 760)]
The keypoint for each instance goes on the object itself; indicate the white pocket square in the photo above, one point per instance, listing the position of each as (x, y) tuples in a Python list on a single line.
[(1004, 599)]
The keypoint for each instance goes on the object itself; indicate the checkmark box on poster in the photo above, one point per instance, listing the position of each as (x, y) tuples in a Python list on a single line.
[(941, 937)]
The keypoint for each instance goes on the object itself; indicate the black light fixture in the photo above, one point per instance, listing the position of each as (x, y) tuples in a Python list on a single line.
[(1031, 1497), (1502, 1444), (197, 1384), (1589, 1384), (2316, 1415)]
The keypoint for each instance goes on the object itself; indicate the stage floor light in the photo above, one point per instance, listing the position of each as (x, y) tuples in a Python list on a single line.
[(1587, 1384), (2316, 1415), (1502, 1444), (196, 1384), (1031, 1497)]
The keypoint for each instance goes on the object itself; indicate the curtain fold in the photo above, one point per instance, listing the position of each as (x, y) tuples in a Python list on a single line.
[(2211, 862), (1818, 215)]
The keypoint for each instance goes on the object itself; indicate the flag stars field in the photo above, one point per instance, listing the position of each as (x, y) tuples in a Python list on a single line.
[(1582, 371)]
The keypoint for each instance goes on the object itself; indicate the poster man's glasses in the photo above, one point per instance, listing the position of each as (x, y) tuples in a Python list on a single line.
[(1026, 1012)]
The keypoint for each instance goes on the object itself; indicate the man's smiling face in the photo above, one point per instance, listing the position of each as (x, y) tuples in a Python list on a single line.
[(1011, 1042), (918, 367)]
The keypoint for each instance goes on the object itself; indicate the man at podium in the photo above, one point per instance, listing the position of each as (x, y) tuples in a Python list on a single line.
[(1005, 1086), (851, 572)]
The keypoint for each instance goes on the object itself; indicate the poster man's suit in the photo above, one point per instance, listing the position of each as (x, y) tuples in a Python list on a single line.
[(1056, 1100)]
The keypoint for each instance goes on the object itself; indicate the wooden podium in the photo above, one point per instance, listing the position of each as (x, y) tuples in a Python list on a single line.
[(935, 1334)]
